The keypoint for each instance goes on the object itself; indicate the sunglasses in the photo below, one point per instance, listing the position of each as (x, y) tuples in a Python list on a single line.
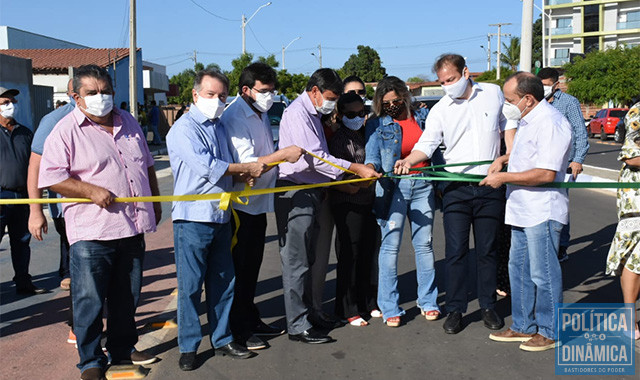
[(359, 92), (395, 102), (351, 115)]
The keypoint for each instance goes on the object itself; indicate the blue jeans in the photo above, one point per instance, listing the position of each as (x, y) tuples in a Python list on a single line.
[(110, 269), (536, 278), (413, 199), (203, 255), (16, 217)]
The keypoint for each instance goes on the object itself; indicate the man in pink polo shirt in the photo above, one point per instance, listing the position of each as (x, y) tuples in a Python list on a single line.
[(99, 152)]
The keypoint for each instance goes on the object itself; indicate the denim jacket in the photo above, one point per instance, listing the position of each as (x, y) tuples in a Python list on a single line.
[(383, 149)]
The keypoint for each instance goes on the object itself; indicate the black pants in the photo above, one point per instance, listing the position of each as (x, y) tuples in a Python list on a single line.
[(359, 239), (247, 259), (16, 219), (466, 205), (60, 226)]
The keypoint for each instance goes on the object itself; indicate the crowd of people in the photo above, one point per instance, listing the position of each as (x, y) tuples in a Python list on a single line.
[(506, 142)]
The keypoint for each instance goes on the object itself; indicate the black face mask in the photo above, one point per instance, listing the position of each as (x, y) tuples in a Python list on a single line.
[(394, 110)]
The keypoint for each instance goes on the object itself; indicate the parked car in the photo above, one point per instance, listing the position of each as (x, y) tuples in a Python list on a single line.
[(604, 122), (620, 132), (427, 101), (280, 102)]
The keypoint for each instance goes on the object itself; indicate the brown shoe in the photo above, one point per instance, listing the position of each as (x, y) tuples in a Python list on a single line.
[(538, 343), (93, 374), (509, 335)]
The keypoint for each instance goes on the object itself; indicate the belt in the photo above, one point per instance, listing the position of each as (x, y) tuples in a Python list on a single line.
[(21, 190)]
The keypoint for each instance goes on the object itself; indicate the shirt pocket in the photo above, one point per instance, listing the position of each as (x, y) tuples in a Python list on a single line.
[(490, 119)]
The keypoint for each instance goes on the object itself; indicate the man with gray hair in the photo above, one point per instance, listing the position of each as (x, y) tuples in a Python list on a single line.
[(537, 214), (201, 164)]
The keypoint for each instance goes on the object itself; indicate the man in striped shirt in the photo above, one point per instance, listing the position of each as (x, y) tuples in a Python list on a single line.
[(568, 106)]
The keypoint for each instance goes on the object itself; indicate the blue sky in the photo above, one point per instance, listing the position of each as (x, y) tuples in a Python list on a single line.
[(408, 34)]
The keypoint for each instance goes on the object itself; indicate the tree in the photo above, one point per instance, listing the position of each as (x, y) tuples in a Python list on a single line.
[(418, 79), (366, 65), (605, 75), (536, 48), (490, 76), (291, 84), (184, 80), (240, 63), (511, 56)]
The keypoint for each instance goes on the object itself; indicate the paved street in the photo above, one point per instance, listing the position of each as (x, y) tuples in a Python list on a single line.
[(603, 154), (33, 330)]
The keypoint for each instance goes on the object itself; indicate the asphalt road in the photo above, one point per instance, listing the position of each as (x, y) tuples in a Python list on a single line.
[(603, 154), (33, 329)]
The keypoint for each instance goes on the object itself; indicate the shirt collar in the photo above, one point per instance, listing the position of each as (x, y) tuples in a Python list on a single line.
[(533, 114), (246, 108), (308, 104), (83, 120), (197, 115)]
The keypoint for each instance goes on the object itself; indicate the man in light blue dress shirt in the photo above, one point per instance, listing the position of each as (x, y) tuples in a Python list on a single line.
[(200, 161)]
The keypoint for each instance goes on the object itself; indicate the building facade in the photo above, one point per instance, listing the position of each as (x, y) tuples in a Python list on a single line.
[(578, 27)]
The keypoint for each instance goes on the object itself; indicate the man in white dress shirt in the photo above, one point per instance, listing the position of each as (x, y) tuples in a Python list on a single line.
[(537, 214), (250, 139), (470, 123)]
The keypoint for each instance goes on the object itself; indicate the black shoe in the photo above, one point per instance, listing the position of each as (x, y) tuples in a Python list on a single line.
[(255, 343), (453, 324), (92, 374), (324, 321), (491, 319), (235, 351), (29, 290), (187, 361), (263, 329), (311, 336)]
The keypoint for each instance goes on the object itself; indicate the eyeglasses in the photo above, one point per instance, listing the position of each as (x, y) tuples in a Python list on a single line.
[(351, 115), (395, 102), (359, 92), (265, 91)]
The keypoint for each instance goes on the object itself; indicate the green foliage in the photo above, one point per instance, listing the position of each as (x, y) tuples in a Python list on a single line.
[(511, 55), (370, 91), (490, 76), (366, 65), (184, 80), (238, 65), (536, 51), (418, 79), (291, 84), (270, 60), (605, 75)]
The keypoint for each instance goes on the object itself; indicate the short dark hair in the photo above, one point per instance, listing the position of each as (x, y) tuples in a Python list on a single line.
[(348, 98), (353, 78), (326, 80), (450, 59), (153, 102), (90, 71), (197, 81), (527, 83), (386, 85), (549, 73), (257, 71)]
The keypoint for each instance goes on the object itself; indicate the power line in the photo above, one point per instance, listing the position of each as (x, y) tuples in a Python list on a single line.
[(167, 57), (467, 39), (258, 41), (175, 63), (213, 14)]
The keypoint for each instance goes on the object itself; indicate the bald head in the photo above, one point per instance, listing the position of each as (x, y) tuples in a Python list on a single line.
[(523, 83)]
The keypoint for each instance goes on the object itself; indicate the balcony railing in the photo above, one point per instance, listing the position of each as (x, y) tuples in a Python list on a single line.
[(566, 30), (558, 2), (628, 25), (559, 61)]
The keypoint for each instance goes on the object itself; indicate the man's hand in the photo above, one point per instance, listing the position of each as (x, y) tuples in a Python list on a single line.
[(101, 196), (364, 171), (292, 153), (576, 168), (401, 167), (494, 180), (255, 169), (497, 165), (157, 209), (37, 224)]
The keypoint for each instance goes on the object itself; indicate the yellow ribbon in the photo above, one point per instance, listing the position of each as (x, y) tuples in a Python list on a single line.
[(330, 163)]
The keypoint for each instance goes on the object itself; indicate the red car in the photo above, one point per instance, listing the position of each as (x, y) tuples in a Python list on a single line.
[(604, 122)]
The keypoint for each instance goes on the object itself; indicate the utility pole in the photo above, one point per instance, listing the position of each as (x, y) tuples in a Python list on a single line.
[(319, 56), (526, 35), (499, 34), (195, 60), (286, 47), (488, 52), (244, 23), (133, 67)]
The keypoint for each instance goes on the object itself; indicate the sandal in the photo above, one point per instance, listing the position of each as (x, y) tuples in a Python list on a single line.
[(431, 315), (393, 321), (357, 321), (375, 313), (501, 293)]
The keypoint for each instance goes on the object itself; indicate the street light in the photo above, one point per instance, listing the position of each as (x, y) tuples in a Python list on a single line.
[(319, 56), (244, 24), (285, 48)]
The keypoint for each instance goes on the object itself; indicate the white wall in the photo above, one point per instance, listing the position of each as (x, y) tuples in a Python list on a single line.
[(12, 38)]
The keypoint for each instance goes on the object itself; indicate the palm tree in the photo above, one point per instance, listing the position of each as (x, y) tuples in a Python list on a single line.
[(511, 56)]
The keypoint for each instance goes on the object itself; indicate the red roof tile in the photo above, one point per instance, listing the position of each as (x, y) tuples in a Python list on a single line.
[(59, 60)]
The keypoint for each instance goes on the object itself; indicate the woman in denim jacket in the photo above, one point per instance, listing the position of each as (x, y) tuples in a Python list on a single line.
[(390, 137)]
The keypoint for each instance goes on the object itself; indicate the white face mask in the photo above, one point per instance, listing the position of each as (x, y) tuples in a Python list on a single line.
[(8, 110), (99, 104), (327, 106), (264, 101), (511, 111), (456, 90), (210, 107), (548, 91), (353, 124)]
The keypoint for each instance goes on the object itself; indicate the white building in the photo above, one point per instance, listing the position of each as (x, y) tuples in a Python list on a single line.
[(575, 26)]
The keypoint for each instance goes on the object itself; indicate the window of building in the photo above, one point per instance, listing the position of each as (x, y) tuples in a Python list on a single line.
[(563, 26), (629, 20), (591, 44), (562, 53), (591, 18)]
